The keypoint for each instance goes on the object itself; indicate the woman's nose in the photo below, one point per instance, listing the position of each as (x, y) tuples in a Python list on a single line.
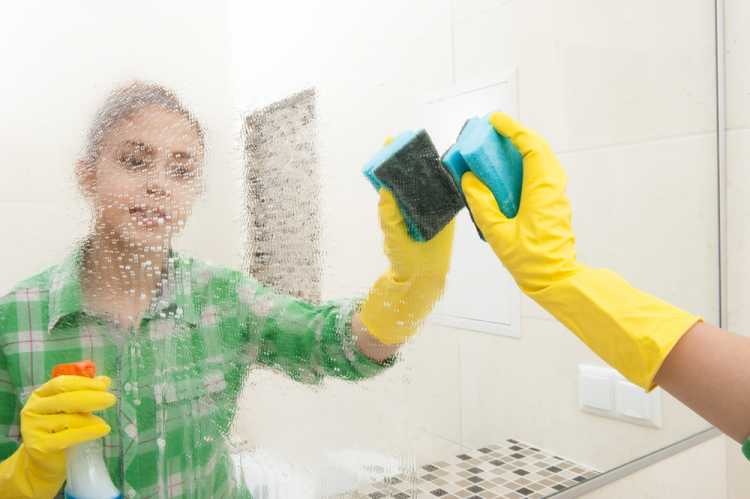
[(156, 183), (156, 191)]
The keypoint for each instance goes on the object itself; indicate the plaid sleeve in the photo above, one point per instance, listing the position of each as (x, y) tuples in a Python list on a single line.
[(307, 341), (9, 413)]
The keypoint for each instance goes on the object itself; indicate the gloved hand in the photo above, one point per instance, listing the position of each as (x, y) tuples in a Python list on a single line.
[(56, 416), (631, 330), (403, 296)]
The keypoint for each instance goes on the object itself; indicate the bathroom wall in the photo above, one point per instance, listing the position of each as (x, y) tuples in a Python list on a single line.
[(737, 40), (697, 473), (617, 108), (60, 61)]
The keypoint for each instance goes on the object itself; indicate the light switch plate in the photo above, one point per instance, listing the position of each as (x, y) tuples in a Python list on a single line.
[(633, 404), (603, 391), (595, 389)]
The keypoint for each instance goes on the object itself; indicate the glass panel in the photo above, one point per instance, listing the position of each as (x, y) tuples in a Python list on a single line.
[(191, 178)]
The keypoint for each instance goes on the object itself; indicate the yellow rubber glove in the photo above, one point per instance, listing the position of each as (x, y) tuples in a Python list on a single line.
[(56, 416), (403, 296), (631, 330)]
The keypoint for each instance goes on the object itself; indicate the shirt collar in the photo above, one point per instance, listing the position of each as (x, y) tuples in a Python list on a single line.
[(65, 296), (65, 289)]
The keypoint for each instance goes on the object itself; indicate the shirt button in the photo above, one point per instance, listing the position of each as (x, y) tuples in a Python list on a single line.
[(131, 430)]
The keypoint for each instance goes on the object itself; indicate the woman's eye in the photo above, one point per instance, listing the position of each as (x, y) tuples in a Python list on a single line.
[(133, 162), (181, 171)]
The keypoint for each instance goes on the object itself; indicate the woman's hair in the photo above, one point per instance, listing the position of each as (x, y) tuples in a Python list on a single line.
[(125, 101)]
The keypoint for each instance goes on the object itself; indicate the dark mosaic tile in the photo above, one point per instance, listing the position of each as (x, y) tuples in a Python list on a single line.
[(429, 467), (554, 469), (516, 447), (475, 470), (485, 450), (428, 477), (521, 472), (438, 492), (559, 487), (475, 489), (475, 479), (579, 479), (463, 457), (524, 491), (402, 495)]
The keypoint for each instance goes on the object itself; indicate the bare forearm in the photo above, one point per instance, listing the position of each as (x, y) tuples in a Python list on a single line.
[(709, 371), (369, 345)]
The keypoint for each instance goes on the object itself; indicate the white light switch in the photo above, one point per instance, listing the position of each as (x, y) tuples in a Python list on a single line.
[(605, 392), (595, 391), (633, 402)]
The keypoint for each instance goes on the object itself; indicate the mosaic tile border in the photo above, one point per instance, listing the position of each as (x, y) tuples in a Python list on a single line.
[(511, 470)]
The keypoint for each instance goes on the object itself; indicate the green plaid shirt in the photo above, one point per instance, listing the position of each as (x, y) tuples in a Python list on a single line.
[(178, 374)]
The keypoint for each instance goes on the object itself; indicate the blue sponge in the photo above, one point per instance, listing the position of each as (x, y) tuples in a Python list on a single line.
[(492, 158), (425, 193)]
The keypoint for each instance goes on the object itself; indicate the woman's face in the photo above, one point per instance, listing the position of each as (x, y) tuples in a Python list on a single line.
[(146, 178)]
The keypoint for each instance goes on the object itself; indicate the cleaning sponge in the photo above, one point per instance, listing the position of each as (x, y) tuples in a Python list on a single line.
[(492, 158), (426, 195)]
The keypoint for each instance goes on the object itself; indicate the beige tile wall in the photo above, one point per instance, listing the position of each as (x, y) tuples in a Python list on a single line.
[(624, 92)]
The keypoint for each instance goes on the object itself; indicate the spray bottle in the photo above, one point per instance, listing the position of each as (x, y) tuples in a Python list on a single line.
[(87, 476)]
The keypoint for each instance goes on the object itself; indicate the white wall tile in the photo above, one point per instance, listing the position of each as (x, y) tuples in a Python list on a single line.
[(485, 40), (411, 410), (434, 370), (738, 480), (737, 40), (598, 72), (697, 473), (37, 235), (738, 220), (649, 212)]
